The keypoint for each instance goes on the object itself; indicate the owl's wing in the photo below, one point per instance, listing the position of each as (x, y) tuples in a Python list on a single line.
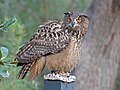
[(49, 39)]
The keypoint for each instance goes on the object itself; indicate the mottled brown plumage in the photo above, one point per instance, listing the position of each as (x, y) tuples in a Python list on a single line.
[(54, 45)]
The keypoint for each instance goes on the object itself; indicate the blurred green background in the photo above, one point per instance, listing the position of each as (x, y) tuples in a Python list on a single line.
[(30, 14)]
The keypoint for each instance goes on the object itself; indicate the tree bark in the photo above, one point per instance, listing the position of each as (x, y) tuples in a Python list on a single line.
[(97, 68)]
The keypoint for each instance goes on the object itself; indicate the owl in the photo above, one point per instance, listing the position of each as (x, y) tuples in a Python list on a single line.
[(55, 45)]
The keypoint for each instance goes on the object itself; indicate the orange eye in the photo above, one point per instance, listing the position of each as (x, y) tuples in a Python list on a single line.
[(79, 19)]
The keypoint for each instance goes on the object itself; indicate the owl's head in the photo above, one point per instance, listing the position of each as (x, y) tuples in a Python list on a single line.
[(75, 21)]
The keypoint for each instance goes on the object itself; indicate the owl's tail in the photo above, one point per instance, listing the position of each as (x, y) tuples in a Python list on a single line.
[(37, 68), (24, 70)]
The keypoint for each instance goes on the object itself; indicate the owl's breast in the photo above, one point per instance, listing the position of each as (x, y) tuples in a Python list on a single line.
[(65, 60)]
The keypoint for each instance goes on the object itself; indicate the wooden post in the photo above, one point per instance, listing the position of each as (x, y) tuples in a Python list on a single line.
[(58, 85)]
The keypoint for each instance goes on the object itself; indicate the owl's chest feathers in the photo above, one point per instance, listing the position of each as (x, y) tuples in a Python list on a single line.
[(65, 60), (72, 49)]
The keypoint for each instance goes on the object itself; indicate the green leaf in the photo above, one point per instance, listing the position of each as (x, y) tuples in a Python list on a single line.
[(7, 23), (4, 52), (4, 73)]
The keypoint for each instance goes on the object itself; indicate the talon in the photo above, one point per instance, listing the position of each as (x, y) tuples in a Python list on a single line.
[(54, 71)]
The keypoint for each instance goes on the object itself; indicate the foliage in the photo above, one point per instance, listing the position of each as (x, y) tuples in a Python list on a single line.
[(12, 40), (4, 50)]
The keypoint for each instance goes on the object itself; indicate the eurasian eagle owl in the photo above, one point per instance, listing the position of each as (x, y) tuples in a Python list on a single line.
[(55, 45)]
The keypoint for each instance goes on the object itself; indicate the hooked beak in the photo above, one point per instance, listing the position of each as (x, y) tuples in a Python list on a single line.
[(72, 24)]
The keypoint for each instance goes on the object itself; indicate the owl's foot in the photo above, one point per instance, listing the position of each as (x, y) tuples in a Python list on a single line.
[(65, 77), (54, 71)]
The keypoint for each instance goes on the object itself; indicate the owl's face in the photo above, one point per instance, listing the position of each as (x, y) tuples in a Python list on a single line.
[(74, 20)]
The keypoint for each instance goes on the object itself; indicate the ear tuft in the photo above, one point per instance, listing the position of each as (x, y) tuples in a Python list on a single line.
[(66, 13), (83, 15)]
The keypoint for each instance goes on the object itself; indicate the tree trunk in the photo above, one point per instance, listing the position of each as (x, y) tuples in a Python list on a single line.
[(97, 68)]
